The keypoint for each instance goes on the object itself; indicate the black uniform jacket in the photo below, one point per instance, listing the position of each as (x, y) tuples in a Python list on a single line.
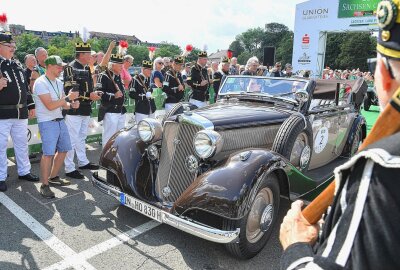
[(218, 77), (15, 99), (361, 230), (170, 86), (199, 74), (137, 90), (110, 104), (85, 88)]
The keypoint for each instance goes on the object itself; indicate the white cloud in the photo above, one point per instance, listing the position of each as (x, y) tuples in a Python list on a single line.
[(211, 22)]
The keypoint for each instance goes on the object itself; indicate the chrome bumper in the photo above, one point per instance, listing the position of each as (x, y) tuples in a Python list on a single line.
[(199, 230)]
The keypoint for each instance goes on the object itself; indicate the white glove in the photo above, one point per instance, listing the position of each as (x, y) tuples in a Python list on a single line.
[(148, 95)]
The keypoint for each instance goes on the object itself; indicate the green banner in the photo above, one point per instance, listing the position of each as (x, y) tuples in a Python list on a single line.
[(357, 8)]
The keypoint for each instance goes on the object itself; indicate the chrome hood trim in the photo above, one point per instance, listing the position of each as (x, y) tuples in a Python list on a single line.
[(192, 118)]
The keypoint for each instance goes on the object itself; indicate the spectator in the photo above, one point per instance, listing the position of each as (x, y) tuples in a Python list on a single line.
[(92, 61), (50, 100), (234, 68), (219, 76), (251, 66), (167, 65), (100, 55), (125, 75), (186, 72), (30, 63), (241, 69), (39, 69), (157, 78), (288, 71), (277, 70)]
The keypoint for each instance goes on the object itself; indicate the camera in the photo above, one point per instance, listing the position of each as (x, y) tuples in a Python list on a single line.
[(71, 76), (76, 74)]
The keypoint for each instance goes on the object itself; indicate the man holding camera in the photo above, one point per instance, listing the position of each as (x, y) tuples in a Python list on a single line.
[(50, 100), (77, 77)]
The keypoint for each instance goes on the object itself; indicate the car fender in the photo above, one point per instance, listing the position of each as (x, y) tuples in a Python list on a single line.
[(123, 155), (228, 190)]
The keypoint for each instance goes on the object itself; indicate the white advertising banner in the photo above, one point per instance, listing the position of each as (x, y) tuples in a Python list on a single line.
[(315, 18)]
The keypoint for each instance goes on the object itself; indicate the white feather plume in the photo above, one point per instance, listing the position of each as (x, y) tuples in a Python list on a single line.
[(205, 47), (85, 35)]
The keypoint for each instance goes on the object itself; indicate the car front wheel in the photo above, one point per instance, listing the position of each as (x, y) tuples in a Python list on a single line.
[(256, 227), (294, 141)]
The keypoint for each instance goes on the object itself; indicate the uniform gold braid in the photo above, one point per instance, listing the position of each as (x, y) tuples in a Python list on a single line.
[(174, 75)]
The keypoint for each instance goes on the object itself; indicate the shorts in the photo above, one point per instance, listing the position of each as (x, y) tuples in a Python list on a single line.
[(55, 137)]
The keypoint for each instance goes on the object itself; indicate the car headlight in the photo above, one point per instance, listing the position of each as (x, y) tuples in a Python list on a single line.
[(150, 130), (207, 143)]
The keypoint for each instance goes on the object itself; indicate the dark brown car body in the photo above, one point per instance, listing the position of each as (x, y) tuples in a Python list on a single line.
[(225, 185)]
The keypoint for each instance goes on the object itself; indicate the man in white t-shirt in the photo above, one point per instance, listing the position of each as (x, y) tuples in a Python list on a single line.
[(50, 100)]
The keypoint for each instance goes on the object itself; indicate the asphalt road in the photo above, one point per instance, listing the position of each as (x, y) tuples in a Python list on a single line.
[(84, 229)]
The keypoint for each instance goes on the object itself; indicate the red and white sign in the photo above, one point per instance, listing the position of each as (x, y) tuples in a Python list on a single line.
[(305, 39)]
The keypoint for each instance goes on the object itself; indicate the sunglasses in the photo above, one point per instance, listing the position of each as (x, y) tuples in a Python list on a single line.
[(161, 63)]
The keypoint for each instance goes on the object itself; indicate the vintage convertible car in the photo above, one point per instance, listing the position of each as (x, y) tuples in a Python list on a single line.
[(218, 172)]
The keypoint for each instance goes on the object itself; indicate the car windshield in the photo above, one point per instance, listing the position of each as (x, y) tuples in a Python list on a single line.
[(262, 85)]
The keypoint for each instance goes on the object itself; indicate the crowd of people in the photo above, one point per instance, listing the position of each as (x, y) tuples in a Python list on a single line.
[(60, 95), (63, 94)]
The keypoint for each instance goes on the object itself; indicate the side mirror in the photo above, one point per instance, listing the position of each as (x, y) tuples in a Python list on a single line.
[(301, 96)]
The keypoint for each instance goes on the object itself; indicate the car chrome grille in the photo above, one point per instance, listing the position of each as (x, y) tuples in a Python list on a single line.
[(262, 136), (177, 145)]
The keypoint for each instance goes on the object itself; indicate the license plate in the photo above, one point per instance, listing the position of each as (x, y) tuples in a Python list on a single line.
[(141, 207)]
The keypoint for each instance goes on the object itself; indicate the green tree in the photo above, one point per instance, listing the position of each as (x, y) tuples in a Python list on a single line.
[(243, 57), (236, 47), (27, 43), (139, 53), (168, 50), (193, 55), (332, 51), (274, 33), (284, 49), (99, 44), (252, 39), (355, 50)]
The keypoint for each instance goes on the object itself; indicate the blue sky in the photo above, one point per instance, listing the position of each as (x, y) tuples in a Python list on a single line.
[(211, 22)]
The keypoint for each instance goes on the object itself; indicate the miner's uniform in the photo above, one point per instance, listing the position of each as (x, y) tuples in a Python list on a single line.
[(112, 110), (200, 93), (171, 85), (15, 101), (77, 120), (141, 92)]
